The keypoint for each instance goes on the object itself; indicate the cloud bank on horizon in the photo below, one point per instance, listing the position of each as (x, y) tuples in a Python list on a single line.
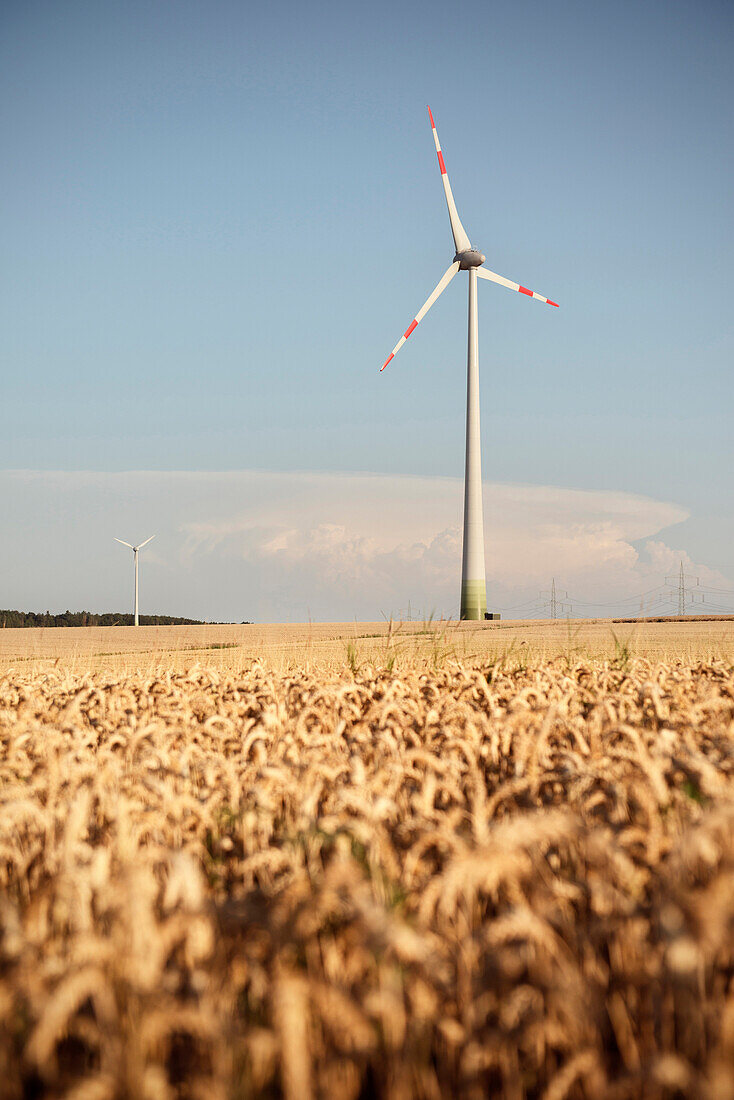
[(274, 546)]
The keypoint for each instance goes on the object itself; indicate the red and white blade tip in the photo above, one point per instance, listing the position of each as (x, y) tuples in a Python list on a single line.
[(430, 115), (493, 277), (540, 297), (400, 343)]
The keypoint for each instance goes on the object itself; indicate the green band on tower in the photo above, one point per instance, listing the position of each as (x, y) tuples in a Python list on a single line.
[(473, 599)]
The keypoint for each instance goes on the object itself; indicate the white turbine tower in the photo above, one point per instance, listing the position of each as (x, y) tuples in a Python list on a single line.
[(135, 556), (473, 586)]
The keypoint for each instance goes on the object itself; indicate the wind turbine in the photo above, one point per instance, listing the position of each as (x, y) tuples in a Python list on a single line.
[(135, 555), (466, 258)]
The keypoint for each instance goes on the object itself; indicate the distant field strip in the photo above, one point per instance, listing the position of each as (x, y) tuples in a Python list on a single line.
[(325, 644)]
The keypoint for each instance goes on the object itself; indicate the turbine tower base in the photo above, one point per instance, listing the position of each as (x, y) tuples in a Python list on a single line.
[(473, 600)]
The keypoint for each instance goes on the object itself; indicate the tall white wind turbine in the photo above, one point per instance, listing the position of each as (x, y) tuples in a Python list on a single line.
[(135, 556), (466, 258)]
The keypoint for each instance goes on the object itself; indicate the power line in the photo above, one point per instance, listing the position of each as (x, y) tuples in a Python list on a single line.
[(622, 599), (517, 606), (676, 590)]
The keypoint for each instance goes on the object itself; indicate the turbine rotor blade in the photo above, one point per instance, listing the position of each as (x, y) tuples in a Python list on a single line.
[(142, 544), (123, 542), (444, 282), (461, 240), (485, 273)]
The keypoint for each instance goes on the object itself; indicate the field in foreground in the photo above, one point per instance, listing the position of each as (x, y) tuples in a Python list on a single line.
[(490, 876)]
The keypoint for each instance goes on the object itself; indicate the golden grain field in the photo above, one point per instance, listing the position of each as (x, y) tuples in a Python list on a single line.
[(388, 867), (286, 646)]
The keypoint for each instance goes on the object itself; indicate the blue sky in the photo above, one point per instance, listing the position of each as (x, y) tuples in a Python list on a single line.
[(218, 218)]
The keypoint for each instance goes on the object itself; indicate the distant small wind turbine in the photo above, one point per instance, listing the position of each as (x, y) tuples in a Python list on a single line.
[(135, 555)]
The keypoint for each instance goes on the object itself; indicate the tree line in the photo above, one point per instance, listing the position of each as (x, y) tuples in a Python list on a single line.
[(89, 618)]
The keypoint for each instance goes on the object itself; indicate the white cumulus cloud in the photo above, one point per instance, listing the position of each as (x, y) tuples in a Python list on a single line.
[(279, 546)]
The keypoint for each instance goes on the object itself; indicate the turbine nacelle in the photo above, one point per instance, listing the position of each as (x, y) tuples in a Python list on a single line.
[(472, 257)]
